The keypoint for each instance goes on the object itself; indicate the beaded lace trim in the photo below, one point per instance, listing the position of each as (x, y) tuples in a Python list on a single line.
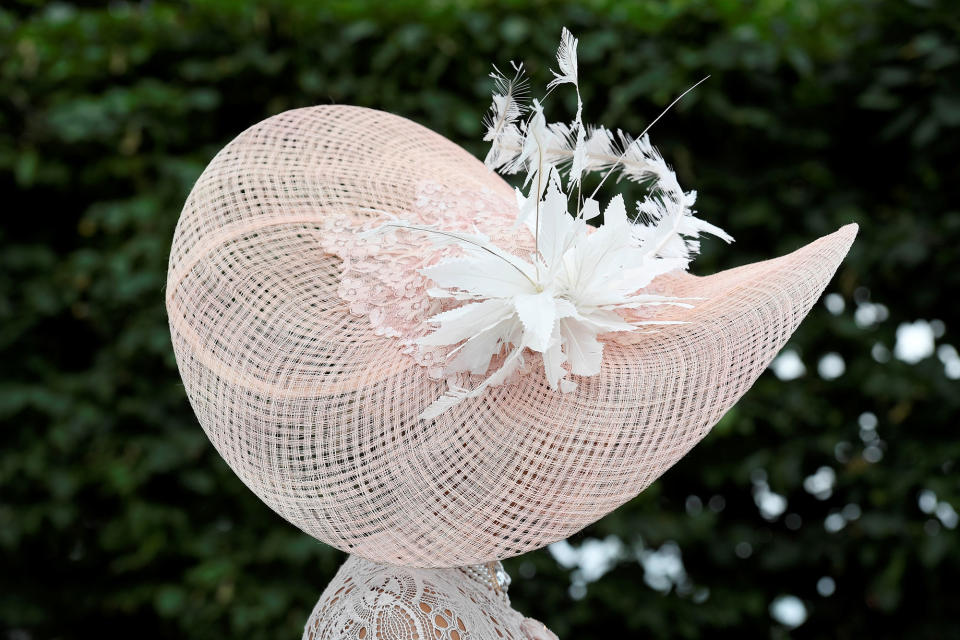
[(491, 575), (380, 276)]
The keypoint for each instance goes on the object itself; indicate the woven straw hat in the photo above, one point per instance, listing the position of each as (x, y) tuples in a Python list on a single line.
[(293, 333)]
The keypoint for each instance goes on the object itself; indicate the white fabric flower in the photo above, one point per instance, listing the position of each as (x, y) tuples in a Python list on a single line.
[(558, 301)]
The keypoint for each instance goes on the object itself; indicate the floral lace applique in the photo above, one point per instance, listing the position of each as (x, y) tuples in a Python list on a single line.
[(380, 276)]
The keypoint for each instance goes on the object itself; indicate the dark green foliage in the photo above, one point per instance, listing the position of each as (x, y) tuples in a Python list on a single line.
[(117, 518)]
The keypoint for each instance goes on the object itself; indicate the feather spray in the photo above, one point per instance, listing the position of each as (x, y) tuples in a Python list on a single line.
[(575, 286)]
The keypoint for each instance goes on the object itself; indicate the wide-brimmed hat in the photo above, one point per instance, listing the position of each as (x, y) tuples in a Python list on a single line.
[(328, 276)]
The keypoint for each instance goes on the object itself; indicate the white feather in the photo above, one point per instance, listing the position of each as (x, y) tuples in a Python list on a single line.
[(566, 60), (537, 313), (506, 108), (553, 359)]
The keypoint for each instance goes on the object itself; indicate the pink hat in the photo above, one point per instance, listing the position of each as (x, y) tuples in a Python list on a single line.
[(415, 364)]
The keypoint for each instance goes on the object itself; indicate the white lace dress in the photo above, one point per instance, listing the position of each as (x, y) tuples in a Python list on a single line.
[(371, 601)]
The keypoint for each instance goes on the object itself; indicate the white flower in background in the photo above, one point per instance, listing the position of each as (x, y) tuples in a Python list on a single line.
[(559, 300)]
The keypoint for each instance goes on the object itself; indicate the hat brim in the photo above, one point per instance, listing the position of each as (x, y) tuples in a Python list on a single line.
[(318, 414)]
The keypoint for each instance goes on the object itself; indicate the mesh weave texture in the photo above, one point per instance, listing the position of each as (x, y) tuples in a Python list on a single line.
[(315, 408)]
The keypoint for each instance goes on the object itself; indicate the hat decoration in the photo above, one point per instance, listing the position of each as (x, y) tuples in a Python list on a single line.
[(580, 282)]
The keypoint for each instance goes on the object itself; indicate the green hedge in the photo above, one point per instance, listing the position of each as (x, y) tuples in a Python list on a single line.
[(118, 519)]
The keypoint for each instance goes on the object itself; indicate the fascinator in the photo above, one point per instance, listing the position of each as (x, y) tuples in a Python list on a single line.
[(420, 365)]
